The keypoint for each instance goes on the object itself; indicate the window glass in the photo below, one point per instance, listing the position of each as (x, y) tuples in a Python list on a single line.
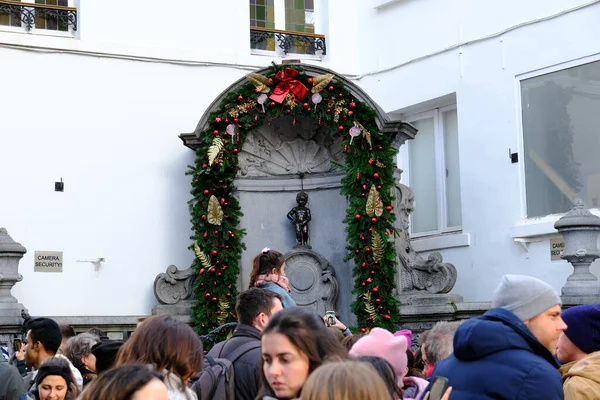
[(423, 177), (561, 137), (453, 205)]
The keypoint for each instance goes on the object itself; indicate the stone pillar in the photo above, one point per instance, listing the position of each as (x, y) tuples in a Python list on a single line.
[(11, 322), (580, 229)]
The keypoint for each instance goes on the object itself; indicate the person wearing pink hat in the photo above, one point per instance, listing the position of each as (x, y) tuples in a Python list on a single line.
[(381, 343)]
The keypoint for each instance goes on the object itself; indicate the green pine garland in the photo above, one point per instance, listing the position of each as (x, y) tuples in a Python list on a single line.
[(369, 161)]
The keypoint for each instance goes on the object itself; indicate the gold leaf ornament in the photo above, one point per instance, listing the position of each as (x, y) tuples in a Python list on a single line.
[(214, 150), (260, 82), (319, 82), (378, 246), (224, 310), (201, 256), (215, 212), (369, 307), (374, 205)]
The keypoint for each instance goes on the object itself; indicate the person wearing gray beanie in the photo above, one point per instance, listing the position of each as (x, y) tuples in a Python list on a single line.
[(508, 352), (579, 351)]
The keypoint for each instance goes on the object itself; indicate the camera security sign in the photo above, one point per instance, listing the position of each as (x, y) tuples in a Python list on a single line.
[(48, 261)]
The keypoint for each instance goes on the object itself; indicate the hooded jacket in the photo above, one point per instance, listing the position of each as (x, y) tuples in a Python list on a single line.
[(497, 357), (582, 378)]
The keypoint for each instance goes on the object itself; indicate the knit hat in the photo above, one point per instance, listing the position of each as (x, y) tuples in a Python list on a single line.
[(105, 352), (407, 333), (381, 343), (583, 327), (525, 296), (54, 366)]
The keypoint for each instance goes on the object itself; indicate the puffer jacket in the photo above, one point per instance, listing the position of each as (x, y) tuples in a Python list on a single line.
[(497, 357)]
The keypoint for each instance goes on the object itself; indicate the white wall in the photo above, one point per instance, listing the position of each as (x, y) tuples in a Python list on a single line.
[(485, 77), (85, 110)]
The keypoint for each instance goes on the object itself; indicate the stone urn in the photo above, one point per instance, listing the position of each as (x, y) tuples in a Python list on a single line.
[(580, 228)]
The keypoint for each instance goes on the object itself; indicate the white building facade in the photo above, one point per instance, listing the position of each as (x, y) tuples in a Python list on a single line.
[(100, 107)]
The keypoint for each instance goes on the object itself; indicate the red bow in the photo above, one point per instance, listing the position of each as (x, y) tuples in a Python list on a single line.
[(288, 84)]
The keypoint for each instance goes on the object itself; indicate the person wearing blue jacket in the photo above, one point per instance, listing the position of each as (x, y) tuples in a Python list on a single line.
[(508, 353)]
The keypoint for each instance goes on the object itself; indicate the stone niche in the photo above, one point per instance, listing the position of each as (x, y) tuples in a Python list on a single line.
[(276, 162)]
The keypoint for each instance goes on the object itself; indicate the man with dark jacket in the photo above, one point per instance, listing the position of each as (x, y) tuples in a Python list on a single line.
[(254, 308), (11, 383), (508, 352)]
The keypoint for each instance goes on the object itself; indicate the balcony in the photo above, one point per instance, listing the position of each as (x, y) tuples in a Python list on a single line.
[(39, 16), (287, 41)]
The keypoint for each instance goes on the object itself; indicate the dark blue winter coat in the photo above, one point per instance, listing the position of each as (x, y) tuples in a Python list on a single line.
[(497, 357)]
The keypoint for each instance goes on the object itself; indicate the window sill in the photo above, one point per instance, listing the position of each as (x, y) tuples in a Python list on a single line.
[(444, 241), (543, 226), (294, 56), (38, 32)]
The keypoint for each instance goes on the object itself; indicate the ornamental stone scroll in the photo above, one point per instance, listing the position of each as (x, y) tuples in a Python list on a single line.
[(312, 280)]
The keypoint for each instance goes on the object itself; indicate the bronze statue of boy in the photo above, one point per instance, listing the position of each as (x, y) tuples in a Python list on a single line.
[(300, 216)]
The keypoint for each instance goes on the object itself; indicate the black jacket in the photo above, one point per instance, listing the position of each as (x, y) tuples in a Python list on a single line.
[(497, 357), (247, 368)]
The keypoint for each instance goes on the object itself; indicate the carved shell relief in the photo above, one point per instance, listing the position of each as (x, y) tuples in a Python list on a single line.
[(290, 147)]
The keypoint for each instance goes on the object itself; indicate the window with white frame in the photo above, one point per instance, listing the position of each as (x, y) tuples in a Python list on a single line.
[(431, 169), (48, 15), (293, 16), (561, 139)]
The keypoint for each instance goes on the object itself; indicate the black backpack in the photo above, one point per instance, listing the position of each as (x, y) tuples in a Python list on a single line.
[(216, 380)]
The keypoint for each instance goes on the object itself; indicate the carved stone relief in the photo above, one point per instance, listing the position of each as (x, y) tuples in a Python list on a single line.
[(416, 274), (312, 280), (289, 146), (174, 285)]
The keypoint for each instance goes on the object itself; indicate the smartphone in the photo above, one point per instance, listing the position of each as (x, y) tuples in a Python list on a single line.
[(438, 388), (330, 318)]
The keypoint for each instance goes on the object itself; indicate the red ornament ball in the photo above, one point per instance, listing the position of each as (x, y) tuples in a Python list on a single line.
[(214, 299), (229, 287), (205, 235), (379, 148), (375, 290), (212, 270), (376, 175), (364, 265), (378, 187), (203, 216), (204, 166), (218, 274), (378, 301), (207, 295), (273, 104), (362, 195), (240, 98), (206, 192), (367, 249), (310, 80), (372, 272), (201, 270), (270, 81), (255, 118), (371, 161), (363, 284), (357, 216), (331, 88), (350, 113), (340, 95), (369, 280), (357, 251), (329, 110), (216, 132), (236, 120), (288, 111), (228, 294), (374, 220), (218, 120), (341, 128), (214, 252), (235, 151), (389, 208), (362, 330), (305, 105)]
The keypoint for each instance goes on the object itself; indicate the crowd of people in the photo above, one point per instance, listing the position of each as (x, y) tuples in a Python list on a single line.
[(524, 347)]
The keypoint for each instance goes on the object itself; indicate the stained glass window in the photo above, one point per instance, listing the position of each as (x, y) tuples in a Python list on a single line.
[(10, 19), (299, 17), (52, 23), (262, 15)]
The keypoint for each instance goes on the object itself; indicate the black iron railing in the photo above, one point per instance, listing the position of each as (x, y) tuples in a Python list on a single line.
[(287, 40), (27, 14)]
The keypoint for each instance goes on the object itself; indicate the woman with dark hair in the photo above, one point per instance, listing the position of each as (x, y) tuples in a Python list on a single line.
[(268, 272), (128, 382), (54, 381), (293, 345), (385, 370), (172, 347)]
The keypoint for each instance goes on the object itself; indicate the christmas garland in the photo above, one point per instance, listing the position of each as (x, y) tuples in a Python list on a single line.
[(367, 184)]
